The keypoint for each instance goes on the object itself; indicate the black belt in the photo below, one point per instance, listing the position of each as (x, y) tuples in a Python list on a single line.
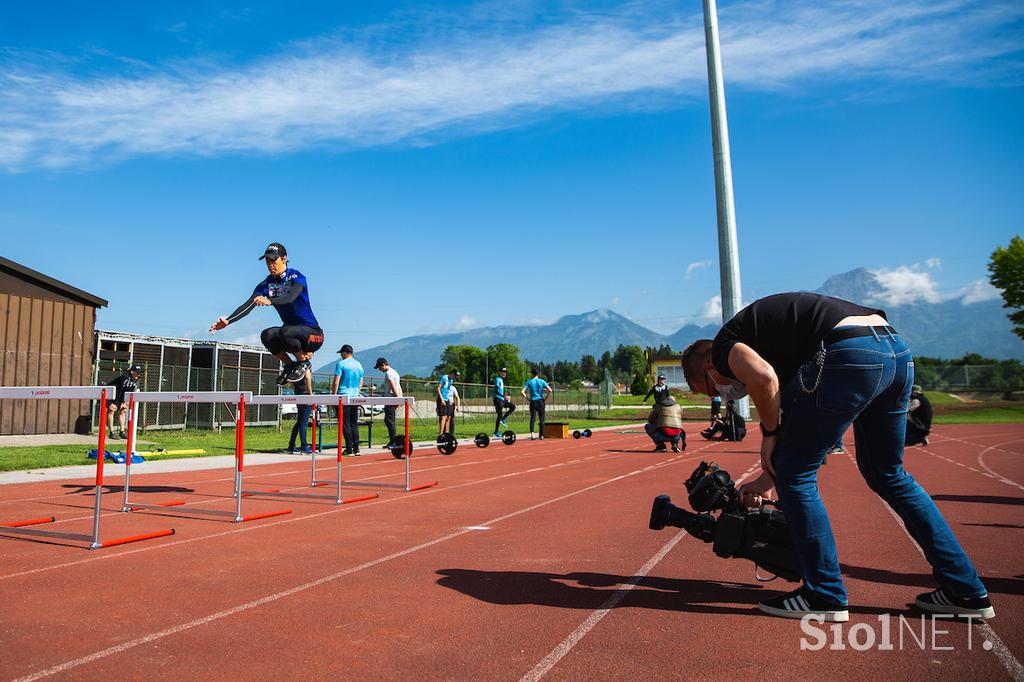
[(843, 333)]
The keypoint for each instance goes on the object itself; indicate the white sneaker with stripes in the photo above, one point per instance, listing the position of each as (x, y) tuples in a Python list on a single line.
[(940, 602)]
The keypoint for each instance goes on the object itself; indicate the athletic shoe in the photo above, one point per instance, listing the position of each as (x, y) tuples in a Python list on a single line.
[(292, 451), (675, 448), (802, 602), (940, 602), (707, 433), (122, 434), (296, 371), (924, 441), (502, 422), (497, 435), (542, 437), (533, 437), (111, 434), (307, 450), (837, 450), (660, 448)]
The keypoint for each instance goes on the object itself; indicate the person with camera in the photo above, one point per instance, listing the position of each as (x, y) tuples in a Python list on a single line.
[(813, 365), (665, 425), (919, 417)]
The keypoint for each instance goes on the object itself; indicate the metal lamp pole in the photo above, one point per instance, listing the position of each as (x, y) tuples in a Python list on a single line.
[(728, 250)]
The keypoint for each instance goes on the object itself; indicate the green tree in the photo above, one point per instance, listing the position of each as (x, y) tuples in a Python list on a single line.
[(1007, 273), (628, 361), (588, 365), (469, 360), (640, 383), (507, 355)]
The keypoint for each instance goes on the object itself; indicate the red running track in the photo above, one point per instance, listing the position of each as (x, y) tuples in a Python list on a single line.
[(526, 562)]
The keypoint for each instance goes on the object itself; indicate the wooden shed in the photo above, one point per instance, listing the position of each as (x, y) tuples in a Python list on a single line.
[(46, 328)]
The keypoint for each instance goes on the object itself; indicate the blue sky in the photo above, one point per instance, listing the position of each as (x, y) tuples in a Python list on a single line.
[(433, 166)]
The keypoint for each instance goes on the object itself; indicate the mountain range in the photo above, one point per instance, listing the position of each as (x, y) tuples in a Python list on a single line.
[(947, 329)]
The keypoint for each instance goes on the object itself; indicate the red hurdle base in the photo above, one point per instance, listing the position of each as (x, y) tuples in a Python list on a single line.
[(362, 498), (423, 485), (172, 503), (135, 538), (31, 522), (266, 515)]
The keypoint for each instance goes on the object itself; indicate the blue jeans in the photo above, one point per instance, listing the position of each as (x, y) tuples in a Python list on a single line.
[(865, 381)]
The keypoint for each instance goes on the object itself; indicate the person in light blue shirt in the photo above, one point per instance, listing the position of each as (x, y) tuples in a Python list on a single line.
[(446, 402), (503, 406), (348, 381), (536, 388)]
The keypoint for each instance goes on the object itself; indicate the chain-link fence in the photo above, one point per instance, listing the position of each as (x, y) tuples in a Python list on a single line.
[(1004, 377), (156, 377)]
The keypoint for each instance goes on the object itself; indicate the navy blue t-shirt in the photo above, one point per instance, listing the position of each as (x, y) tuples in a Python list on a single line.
[(296, 312)]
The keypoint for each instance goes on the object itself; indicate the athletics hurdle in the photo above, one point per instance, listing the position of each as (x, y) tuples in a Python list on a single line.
[(73, 393), (315, 401), (238, 397), (408, 449)]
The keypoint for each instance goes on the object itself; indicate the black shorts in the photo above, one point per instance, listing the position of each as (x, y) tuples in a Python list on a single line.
[(298, 338)]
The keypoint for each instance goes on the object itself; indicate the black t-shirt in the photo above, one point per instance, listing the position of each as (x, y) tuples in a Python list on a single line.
[(123, 384), (922, 416), (785, 329)]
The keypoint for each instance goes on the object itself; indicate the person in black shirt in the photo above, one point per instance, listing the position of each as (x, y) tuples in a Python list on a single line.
[(919, 417), (659, 390), (822, 364), (123, 383)]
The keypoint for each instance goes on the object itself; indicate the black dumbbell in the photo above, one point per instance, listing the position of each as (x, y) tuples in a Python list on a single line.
[(508, 438), (482, 440), (576, 434), (586, 433), (446, 444)]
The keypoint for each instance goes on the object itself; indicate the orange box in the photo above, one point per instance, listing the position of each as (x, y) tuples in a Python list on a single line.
[(556, 430)]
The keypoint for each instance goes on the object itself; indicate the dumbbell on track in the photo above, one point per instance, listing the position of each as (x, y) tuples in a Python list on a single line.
[(585, 433)]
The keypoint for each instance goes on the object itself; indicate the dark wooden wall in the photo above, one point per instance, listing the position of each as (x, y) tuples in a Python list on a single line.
[(45, 343)]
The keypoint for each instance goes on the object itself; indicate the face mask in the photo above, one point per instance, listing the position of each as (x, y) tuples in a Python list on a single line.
[(734, 390)]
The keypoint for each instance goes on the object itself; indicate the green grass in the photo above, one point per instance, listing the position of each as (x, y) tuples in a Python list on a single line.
[(942, 398), (985, 415), (270, 439)]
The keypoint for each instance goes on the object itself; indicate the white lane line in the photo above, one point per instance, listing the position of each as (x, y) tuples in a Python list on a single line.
[(131, 644), (567, 644), (1001, 651), (995, 475)]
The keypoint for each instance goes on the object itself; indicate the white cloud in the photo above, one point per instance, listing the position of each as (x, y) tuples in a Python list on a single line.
[(696, 265), (933, 263), (906, 284), (711, 310), (465, 322), (978, 291), (349, 91)]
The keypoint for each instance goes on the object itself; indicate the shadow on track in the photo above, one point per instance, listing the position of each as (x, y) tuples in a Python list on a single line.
[(76, 489), (878, 575), (981, 499), (591, 591)]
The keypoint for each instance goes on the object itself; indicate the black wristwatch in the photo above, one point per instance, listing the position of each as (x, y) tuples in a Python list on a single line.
[(766, 433)]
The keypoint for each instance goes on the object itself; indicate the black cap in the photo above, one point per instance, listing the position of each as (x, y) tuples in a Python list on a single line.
[(274, 251), (135, 368), (455, 372), (503, 369), (345, 349), (380, 361), (661, 376)]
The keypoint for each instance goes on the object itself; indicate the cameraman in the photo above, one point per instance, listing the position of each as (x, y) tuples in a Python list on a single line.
[(825, 363), (919, 417)]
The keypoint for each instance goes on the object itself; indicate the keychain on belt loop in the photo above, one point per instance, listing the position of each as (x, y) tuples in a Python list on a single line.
[(819, 360)]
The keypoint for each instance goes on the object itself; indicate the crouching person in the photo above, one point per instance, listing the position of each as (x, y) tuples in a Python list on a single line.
[(665, 425)]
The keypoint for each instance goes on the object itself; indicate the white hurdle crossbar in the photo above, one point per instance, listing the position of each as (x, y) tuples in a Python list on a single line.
[(100, 393), (239, 398)]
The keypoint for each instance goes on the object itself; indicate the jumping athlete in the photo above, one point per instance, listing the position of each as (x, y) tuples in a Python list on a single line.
[(124, 383), (286, 289), (503, 407)]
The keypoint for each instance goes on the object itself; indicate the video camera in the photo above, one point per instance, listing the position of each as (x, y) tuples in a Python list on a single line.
[(761, 535)]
